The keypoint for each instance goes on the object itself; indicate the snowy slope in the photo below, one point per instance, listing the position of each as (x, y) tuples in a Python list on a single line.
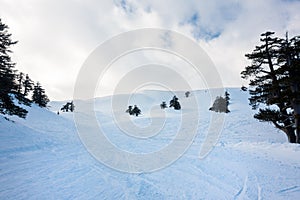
[(42, 157)]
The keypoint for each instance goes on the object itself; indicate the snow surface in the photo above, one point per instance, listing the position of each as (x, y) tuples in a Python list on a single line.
[(42, 157)]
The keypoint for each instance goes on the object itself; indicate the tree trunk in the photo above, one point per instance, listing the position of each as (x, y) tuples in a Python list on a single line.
[(290, 134), (294, 88), (289, 130), (296, 107), (297, 124)]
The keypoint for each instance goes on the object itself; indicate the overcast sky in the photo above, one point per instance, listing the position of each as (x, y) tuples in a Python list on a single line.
[(55, 37)]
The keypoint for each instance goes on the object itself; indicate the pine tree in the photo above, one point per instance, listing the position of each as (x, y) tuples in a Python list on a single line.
[(133, 111), (163, 105), (175, 103), (20, 85), (227, 98), (243, 88), (20, 77), (28, 85), (65, 108), (274, 74), (289, 61), (129, 110), (8, 85), (220, 105), (68, 106), (187, 94), (136, 111), (72, 106), (39, 97)]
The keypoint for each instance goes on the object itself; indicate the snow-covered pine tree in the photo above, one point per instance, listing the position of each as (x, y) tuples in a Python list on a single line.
[(274, 73)]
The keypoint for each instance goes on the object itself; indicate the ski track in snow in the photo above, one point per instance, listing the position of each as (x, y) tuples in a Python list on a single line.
[(42, 157)]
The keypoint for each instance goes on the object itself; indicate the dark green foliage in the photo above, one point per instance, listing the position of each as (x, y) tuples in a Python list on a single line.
[(65, 108), (7, 106), (72, 106), (129, 110), (8, 84), (136, 111), (39, 97), (274, 80), (28, 85), (69, 106), (133, 111), (268, 115), (13, 85), (227, 98), (243, 88), (187, 94), (20, 78), (175, 103), (163, 105), (220, 105)]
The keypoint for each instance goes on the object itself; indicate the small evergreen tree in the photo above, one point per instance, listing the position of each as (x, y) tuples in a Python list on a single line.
[(133, 111), (129, 110), (65, 108), (243, 88), (68, 106), (187, 94), (18, 93), (20, 77), (39, 97), (175, 103), (227, 98), (220, 105), (163, 105), (8, 85), (28, 85), (72, 107), (136, 111)]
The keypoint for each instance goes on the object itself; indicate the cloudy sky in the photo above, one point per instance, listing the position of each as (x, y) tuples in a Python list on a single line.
[(56, 37)]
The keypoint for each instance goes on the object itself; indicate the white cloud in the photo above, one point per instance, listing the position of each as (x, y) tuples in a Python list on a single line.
[(55, 37)]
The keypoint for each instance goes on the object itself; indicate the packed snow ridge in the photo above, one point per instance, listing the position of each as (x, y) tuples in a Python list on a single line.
[(42, 157)]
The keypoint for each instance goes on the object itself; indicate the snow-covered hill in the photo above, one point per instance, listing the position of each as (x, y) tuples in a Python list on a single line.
[(42, 157)]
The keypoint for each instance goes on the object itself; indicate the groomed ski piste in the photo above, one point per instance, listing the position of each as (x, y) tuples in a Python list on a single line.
[(42, 157)]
